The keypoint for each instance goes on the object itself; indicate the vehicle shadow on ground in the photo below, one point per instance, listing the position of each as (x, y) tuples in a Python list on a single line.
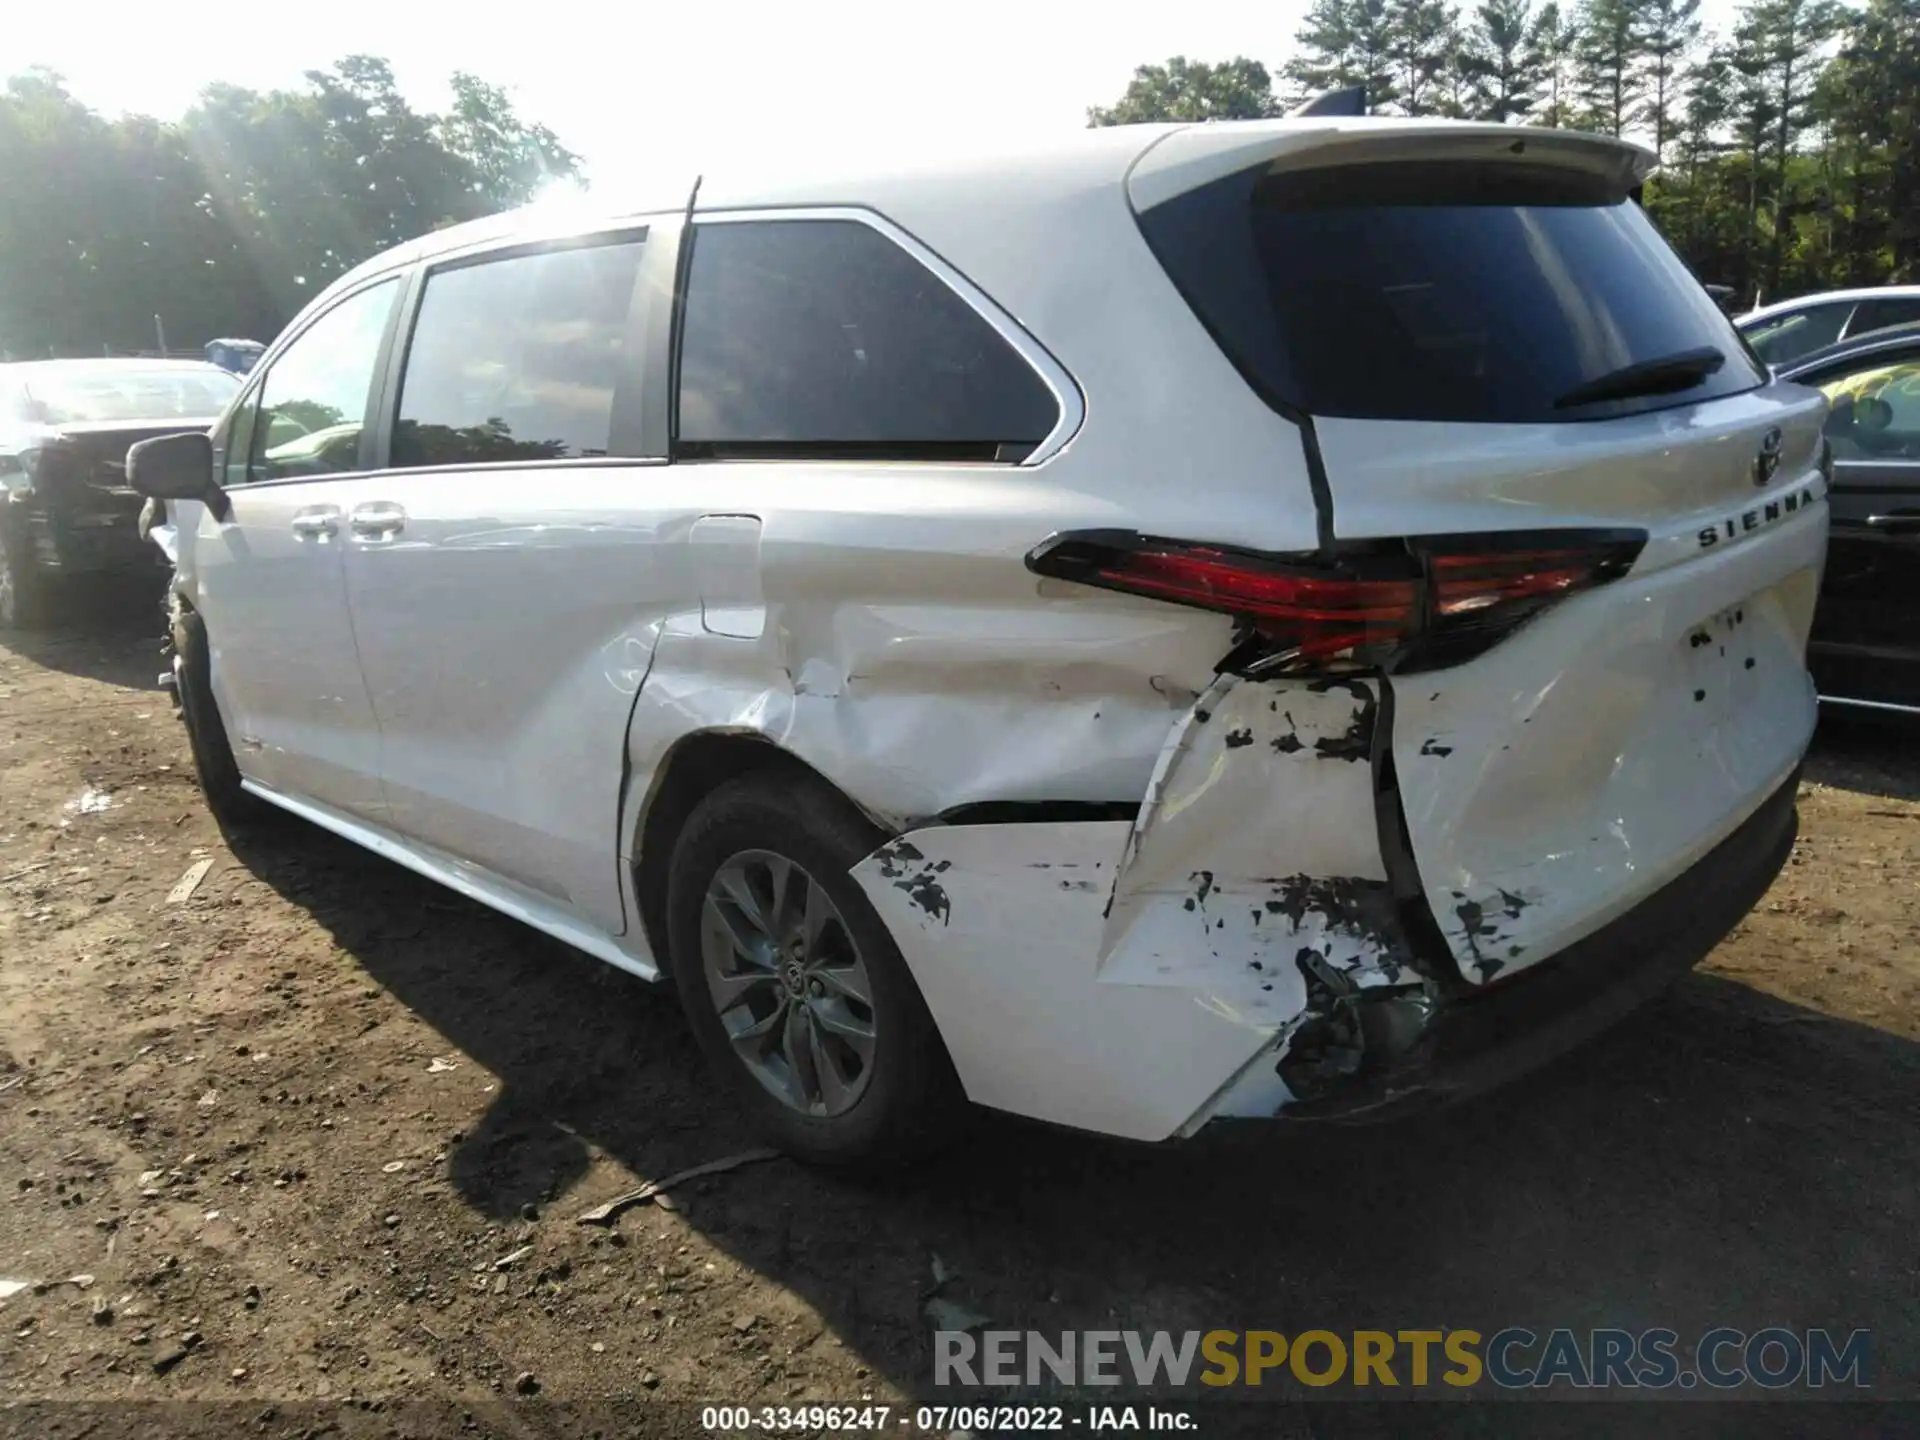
[(95, 631), (1723, 1158), (1866, 752)]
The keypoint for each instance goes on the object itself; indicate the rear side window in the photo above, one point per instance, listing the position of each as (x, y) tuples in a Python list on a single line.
[(1440, 291), (1874, 315), (517, 359), (1799, 332), (823, 338)]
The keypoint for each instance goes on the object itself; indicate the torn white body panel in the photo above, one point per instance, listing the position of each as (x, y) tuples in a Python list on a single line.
[(1004, 944), (1141, 979), (1257, 842)]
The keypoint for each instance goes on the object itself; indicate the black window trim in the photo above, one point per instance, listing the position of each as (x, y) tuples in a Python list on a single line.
[(629, 396), (250, 393), (1070, 404)]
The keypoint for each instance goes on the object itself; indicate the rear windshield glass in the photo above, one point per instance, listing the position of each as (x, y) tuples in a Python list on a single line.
[(1442, 291), (78, 397)]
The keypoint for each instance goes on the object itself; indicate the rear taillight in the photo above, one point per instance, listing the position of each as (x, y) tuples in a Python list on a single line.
[(1416, 605)]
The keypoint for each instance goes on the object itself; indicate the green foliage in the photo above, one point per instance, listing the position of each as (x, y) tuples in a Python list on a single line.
[(1607, 64), (228, 221), (1669, 30), (1183, 89), (1344, 43), (1503, 61), (1421, 42)]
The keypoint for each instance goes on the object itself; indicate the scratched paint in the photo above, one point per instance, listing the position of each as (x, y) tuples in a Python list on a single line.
[(916, 877)]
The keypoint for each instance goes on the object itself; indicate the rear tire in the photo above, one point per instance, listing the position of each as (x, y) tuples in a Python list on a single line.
[(824, 1037), (213, 758), (23, 585)]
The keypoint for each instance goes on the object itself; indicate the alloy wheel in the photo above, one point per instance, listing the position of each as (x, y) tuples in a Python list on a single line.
[(788, 983)]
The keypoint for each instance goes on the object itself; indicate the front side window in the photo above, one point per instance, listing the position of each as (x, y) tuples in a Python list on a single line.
[(312, 403), (518, 359), (1873, 410), (824, 338)]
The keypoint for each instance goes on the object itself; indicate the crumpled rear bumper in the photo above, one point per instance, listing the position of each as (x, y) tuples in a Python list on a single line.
[(1483, 1037), (1006, 929)]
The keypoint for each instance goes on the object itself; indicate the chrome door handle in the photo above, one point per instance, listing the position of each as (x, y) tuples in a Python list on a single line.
[(378, 519), (324, 521)]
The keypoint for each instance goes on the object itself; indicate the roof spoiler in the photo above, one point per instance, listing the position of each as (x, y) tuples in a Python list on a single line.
[(1350, 101)]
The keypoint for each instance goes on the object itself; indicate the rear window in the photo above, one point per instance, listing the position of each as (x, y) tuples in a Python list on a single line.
[(1439, 291)]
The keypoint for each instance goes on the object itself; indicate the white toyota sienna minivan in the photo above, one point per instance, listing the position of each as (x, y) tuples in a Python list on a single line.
[(1293, 618)]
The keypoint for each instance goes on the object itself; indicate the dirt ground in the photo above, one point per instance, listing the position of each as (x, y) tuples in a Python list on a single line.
[(320, 1134)]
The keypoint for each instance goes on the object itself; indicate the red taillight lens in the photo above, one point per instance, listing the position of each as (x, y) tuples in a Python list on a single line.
[(1463, 584), (1319, 615), (1425, 604)]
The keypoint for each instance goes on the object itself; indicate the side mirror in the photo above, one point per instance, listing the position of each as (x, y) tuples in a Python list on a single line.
[(177, 467)]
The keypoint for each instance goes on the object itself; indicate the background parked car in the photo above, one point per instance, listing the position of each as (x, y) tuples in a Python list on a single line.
[(1792, 329), (65, 426), (1865, 647)]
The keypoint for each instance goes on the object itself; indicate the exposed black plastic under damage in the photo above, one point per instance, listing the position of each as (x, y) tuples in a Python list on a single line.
[(1477, 1039), (1351, 1033)]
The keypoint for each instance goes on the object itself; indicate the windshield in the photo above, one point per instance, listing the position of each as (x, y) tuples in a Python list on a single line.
[(1441, 291), (78, 397)]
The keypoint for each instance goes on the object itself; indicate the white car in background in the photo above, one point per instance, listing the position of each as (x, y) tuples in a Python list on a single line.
[(1193, 621), (1789, 330)]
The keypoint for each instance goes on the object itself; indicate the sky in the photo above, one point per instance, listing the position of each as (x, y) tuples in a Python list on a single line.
[(617, 80)]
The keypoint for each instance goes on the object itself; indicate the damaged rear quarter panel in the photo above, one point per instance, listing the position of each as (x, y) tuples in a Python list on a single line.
[(1140, 979), (903, 651), (1092, 973)]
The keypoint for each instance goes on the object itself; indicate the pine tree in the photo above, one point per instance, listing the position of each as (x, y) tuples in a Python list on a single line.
[(1607, 63), (1342, 43), (1781, 40), (1688, 197), (1555, 37), (1504, 60), (1419, 36), (1870, 100), (1669, 30), (1457, 79)]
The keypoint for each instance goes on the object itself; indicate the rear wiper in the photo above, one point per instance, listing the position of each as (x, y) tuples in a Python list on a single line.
[(1679, 371)]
